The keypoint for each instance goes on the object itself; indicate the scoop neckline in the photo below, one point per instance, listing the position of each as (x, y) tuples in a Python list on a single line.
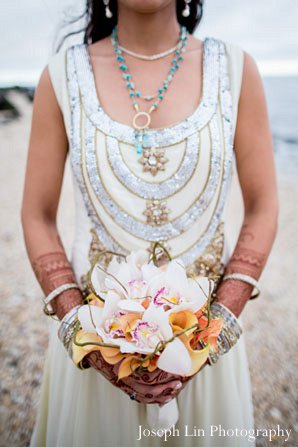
[(81, 68), (117, 122)]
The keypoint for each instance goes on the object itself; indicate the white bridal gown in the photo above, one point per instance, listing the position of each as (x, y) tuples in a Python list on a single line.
[(199, 199)]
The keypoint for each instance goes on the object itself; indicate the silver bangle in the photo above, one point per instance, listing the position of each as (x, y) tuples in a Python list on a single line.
[(67, 328), (52, 295), (245, 278), (230, 333)]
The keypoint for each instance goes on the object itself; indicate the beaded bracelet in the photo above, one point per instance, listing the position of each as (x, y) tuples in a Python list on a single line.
[(230, 333)]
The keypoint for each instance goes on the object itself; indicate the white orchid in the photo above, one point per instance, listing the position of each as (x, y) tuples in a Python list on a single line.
[(174, 291), (129, 279), (136, 279)]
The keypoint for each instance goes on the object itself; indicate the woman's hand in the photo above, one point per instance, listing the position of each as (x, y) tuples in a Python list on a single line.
[(155, 387)]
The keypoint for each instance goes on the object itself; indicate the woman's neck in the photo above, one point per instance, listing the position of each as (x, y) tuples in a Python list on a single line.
[(148, 33)]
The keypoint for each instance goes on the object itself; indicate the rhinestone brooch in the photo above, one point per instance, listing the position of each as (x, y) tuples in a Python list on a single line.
[(153, 160), (157, 212)]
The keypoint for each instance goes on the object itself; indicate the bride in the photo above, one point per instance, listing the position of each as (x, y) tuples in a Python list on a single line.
[(169, 141)]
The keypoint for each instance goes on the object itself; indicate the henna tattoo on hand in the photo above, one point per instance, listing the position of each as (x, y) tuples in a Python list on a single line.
[(148, 387), (53, 270)]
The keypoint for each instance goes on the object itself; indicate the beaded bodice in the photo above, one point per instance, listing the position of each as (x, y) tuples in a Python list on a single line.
[(176, 191)]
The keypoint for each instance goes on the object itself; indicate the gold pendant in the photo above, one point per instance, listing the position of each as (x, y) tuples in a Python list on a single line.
[(153, 160), (136, 120)]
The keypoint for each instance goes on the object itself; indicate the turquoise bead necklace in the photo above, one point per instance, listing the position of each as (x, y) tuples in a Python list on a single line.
[(141, 137)]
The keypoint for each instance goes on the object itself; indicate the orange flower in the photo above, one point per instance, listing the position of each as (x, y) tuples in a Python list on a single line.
[(182, 320), (127, 323), (210, 334), (132, 362), (111, 355), (198, 356), (128, 366)]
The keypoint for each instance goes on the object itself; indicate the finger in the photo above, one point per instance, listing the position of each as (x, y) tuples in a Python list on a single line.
[(154, 392), (155, 377)]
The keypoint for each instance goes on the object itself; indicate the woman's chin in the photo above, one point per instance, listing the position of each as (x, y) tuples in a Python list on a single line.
[(145, 6)]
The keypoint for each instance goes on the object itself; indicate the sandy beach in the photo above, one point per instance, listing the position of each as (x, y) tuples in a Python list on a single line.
[(270, 322)]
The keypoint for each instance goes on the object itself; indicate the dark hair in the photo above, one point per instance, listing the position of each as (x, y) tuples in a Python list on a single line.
[(98, 26)]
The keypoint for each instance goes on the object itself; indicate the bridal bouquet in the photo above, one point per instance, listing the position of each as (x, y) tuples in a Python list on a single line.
[(144, 316)]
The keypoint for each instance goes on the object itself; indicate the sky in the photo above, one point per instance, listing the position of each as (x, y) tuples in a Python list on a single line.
[(267, 29)]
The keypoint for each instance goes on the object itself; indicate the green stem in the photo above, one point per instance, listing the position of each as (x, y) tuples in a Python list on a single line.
[(100, 255), (154, 256), (77, 343)]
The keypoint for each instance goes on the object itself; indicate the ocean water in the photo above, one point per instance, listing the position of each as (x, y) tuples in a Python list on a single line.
[(282, 100), (266, 29)]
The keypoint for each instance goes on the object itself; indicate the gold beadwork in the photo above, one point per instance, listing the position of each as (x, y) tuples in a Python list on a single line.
[(95, 249), (210, 262)]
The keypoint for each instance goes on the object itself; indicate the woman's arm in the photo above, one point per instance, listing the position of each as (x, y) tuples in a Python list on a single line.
[(255, 164), (44, 174)]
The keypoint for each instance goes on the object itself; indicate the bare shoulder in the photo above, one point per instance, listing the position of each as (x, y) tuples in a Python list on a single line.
[(250, 69), (44, 82), (252, 83), (44, 97), (252, 109)]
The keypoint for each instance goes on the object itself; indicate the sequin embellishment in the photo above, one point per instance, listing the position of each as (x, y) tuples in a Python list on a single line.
[(159, 190), (78, 74), (136, 227)]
